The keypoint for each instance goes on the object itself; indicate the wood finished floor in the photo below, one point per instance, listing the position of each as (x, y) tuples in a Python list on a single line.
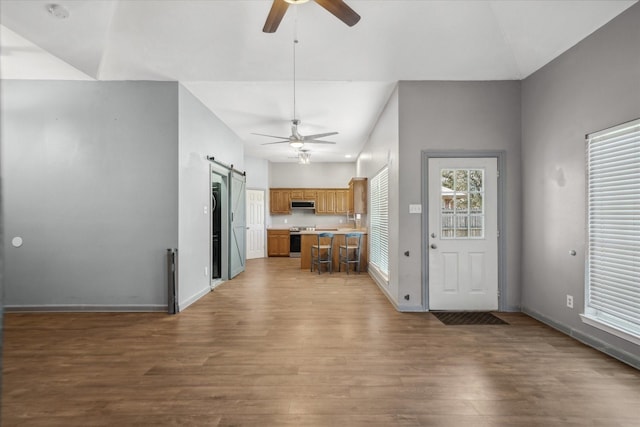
[(278, 346)]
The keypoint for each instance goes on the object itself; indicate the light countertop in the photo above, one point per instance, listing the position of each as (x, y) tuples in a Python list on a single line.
[(334, 231)]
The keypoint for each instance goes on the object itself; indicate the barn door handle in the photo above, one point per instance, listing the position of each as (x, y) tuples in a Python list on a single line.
[(433, 246)]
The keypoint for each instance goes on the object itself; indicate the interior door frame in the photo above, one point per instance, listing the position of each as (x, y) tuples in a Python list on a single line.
[(223, 174), (500, 157)]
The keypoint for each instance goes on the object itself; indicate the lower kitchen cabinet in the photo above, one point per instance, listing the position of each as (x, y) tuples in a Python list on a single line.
[(278, 242)]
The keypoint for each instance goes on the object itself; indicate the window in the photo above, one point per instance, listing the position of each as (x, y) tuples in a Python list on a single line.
[(462, 203), (379, 217), (612, 298)]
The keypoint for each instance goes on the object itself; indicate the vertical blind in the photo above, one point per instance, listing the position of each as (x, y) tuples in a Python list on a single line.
[(613, 262), (379, 218)]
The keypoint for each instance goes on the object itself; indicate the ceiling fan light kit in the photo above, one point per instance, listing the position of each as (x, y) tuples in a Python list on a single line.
[(304, 157), (296, 144)]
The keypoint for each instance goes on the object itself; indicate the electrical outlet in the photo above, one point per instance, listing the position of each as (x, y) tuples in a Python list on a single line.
[(206, 271), (569, 301)]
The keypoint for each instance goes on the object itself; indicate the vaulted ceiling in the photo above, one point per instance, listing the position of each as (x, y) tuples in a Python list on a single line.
[(344, 75)]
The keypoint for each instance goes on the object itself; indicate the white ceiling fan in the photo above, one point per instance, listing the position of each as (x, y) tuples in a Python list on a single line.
[(296, 140)]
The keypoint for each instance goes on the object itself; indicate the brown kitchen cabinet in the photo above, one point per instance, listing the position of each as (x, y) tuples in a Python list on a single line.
[(329, 201), (297, 194), (321, 201), (326, 201), (280, 201), (342, 202), (278, 242), (357, 200)]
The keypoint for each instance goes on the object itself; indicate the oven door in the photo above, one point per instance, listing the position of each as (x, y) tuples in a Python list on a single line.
[(294, 245)]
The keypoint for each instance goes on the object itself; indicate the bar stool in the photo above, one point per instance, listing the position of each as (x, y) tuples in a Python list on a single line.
[(349, 253), (322, 252)]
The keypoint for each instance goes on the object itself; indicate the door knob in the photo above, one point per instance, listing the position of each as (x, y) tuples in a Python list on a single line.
[(433, 246)]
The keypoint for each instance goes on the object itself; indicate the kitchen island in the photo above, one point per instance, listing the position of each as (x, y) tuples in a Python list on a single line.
[(310, 238)]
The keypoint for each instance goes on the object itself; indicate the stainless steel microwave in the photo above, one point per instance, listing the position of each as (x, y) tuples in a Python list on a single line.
[(303, 204)]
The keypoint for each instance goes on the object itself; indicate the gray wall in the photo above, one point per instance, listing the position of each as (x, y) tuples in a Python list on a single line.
[(314, 175), (457, 116), (381, 150), (594, 85), (201, 134), (258, 175), (90, 184)]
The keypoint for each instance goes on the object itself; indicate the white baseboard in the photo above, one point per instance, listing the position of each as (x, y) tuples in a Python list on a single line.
[(79, 308), (182, 305), (623, 356), (382, 284)]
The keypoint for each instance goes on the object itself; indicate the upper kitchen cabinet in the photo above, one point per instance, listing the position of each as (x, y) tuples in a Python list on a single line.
[(357, 200), (328, 201), (323, 204), (309, 194), (297, 194), (303, 194), (342, 202), (279, 201), (331, 201)]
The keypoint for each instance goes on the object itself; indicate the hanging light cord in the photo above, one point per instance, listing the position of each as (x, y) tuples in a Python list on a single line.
[(295, 41)]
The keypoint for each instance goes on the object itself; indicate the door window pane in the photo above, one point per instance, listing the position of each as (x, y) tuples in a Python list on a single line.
[(462, 203)]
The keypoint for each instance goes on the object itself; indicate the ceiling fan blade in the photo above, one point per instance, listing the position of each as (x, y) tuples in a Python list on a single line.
[(278, 9), (317, 141), (341, 11), (270, 136), (277, 142), (318, 135)]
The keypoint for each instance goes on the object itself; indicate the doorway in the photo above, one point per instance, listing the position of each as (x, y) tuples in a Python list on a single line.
[(462, 233), (219, 208), (255, 224)]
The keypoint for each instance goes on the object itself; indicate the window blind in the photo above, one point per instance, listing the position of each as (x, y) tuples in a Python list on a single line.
[(379, 220), (613, 197)]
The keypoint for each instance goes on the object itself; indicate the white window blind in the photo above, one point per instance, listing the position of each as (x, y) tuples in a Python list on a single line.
[(379, 219), (613, 263)]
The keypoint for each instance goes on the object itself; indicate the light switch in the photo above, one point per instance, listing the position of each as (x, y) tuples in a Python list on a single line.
[(415, 209)]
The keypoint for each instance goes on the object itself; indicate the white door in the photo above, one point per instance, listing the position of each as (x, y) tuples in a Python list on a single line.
[(463, 234), (237, 249), (255, 224)]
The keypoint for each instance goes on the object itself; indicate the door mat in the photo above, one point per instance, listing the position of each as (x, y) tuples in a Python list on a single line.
[(468, 318)]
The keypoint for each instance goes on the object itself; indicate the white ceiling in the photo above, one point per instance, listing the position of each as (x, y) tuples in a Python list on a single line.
[(344, 75)]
